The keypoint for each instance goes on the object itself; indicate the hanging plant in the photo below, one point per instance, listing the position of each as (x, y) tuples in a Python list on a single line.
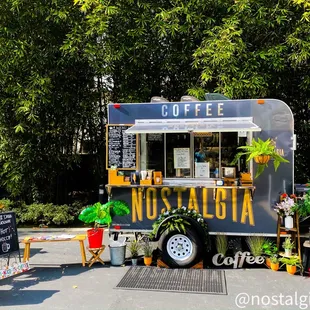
[(261, 151)]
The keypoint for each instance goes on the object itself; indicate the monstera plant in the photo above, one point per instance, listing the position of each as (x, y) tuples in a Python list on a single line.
[(101, 214)]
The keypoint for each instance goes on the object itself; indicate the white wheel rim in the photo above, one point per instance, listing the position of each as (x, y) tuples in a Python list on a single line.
[(179, 247)]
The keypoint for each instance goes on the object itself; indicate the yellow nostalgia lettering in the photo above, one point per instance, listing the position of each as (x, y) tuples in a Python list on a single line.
[(192, 201), (234, 204), (136, 202), (247, 209), (179, 191), (220, 207), (205, 213), (165, 191), (151, 203)]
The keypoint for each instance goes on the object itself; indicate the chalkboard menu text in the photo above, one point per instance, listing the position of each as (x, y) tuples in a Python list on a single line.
[(121, 147), (8, 233)]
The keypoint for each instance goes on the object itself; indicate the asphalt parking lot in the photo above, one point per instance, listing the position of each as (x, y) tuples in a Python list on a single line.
[(57, 280)]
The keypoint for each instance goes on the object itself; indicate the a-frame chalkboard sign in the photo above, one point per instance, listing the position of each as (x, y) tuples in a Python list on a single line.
[(8, 234)]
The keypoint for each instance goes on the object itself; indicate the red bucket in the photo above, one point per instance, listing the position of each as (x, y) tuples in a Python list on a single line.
[(95, 237)]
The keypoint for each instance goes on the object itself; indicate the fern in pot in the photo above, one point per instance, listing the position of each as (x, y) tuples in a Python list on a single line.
[(261, 151)]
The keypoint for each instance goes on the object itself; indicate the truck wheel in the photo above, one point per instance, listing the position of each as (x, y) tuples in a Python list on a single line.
[(179, 249)]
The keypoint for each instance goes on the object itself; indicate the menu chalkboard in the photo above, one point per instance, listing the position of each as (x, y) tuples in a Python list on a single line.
[(8, 233), (121, 147)]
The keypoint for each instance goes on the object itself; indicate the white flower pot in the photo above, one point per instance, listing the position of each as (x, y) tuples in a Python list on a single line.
[(288, 252), (288, 222)]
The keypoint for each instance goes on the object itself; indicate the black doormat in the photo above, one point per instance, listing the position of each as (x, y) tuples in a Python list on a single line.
[(204, 281)]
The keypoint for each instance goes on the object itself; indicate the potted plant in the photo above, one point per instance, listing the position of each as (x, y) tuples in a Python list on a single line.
[(255, 244), (134, 248), (291, 264), (269, 249), (101, 214), (148, 251), (274, 263), (261, 151), (221, 244), (287, 208), (288, 246)]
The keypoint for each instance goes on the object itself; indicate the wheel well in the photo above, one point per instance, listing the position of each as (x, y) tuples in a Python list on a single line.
[(194, 224)]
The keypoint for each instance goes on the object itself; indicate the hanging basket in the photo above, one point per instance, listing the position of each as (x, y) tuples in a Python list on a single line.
[(262, 159)]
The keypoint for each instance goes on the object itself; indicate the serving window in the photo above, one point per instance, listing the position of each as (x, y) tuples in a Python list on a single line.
[(188, 155), (198, 148)]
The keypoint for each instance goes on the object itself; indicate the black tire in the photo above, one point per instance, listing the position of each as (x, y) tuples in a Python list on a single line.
[(196, 254)]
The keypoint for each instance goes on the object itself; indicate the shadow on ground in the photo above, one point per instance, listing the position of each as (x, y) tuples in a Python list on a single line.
[(15, 290)]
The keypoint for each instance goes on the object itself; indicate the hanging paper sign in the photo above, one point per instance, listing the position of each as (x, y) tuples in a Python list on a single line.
[(202, 170), (181, 158)]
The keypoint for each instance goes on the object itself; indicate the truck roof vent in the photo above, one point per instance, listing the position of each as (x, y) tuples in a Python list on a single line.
[(189, 98), (215, 96), (159, 99)]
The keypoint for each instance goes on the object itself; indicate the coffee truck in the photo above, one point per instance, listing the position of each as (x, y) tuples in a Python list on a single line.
[(164, 154)]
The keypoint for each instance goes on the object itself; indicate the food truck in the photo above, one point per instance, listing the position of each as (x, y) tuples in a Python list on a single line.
[(164, 154)]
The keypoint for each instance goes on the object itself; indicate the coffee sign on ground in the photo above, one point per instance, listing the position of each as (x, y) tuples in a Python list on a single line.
[(8, 233)]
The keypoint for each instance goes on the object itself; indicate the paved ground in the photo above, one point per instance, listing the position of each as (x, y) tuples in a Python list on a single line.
[(58, 281)]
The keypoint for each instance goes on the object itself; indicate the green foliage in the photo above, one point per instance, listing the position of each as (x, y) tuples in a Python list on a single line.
[(274, 259), (269, 248), (178, 223), (303, 206), (134, 248), (255, 244), (292, 261), (41, 214), (102, 214), (46, 214), (49, 102), (288, 244), (147, 249), (258, 148), (221, 244)]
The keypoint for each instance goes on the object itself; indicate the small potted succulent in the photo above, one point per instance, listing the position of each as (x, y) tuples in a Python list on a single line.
[(269, 249), (148, 251), (291, 264), (101, 214), (288, 246), (134, 248), (274, 263)]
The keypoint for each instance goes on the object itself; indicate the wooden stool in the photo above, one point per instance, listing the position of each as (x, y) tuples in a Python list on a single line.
[(95, 252)]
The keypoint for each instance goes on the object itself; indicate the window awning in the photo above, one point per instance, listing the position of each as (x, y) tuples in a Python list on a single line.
[(193, 125)]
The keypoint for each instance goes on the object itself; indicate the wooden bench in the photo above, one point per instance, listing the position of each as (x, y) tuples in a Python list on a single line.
[(80, 238)]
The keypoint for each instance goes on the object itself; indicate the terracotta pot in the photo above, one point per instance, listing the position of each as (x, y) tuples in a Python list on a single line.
[(274, 267), (262, 159), (291, 269), (268, 262), (147, 261)]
